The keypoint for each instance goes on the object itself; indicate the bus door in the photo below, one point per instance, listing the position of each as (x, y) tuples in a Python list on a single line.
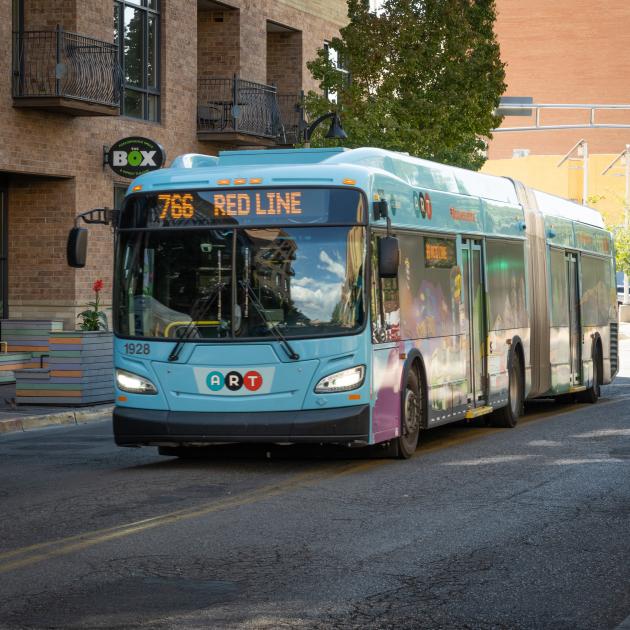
[(575, 337), (474, 295)]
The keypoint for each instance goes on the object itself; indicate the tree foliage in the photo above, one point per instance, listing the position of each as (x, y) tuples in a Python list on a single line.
[(622, 249), (425, 77)]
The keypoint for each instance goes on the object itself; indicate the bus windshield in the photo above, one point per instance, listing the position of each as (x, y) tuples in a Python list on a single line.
[(240, 282)]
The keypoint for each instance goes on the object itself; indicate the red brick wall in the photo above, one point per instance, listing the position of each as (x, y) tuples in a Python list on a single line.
[(47, 144), (218, 51), (47, 14), (284, 61), (40, 211), (567, 51)]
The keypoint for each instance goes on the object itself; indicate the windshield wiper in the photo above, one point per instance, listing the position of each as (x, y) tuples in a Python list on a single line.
[(260, 309), (199, 308)]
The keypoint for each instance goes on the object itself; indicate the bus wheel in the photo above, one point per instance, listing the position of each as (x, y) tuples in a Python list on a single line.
[(405, 446), (594, 391), (508, 416)]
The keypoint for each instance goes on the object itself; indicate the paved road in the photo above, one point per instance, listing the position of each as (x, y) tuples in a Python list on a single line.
[(484, 528)]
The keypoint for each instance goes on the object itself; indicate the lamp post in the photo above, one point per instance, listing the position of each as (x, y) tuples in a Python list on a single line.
[(335, 131), (625, 154)]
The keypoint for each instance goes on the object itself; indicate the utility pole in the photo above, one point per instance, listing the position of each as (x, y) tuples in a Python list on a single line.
[(583, 145)]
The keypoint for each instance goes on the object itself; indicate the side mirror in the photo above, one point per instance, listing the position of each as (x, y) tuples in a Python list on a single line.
[(76, 250), (388, 257)]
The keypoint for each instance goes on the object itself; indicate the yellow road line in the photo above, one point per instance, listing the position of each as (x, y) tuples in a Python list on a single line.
[(32, 554), (26, 556)]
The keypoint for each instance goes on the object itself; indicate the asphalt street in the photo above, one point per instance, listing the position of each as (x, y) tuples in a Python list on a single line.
[(483, 528)]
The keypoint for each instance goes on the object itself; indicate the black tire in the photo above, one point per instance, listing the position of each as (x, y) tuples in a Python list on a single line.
[(508, 416), (592, 394), (412, 408)]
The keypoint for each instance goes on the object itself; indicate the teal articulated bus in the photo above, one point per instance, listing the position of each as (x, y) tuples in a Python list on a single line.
[(353, 297)]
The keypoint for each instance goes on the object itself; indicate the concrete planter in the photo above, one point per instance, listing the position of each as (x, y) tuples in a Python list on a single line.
[(79, 371)]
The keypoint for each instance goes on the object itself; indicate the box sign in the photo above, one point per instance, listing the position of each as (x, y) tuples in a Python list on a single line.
[(134, 156)]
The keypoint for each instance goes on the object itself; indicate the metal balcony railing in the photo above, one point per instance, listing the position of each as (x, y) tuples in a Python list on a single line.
[(238, 106), (292, 117), (66, 65)]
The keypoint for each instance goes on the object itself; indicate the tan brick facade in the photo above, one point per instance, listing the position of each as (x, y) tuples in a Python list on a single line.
[(567, 51), (53, 161)]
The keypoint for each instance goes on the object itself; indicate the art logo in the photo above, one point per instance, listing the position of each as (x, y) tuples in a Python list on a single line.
[(234, 381), (423, 205), (135, 156)]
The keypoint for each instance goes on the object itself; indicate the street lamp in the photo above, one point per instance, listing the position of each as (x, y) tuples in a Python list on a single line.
[(626, 206), (335, 131), (581, 144)]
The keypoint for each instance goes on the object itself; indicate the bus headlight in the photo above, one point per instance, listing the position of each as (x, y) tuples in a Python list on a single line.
[(341, 381), (133, 383)]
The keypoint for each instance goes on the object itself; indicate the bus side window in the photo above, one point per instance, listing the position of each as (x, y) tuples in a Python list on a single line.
[(506, 285), (384, 303)]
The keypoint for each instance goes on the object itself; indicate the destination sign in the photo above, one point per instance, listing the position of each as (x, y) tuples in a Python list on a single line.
[(244, 207), (439, 252)]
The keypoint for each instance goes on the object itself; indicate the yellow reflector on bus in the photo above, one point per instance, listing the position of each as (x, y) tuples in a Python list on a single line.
[(224, 182), (350, 182), (137, 188), (255, 180), (238, 182)]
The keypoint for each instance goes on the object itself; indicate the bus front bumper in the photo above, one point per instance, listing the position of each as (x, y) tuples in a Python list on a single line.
[(150, 427)]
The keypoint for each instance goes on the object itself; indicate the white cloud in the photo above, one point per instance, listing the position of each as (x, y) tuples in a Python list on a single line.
[(332, 266), (315, 303)]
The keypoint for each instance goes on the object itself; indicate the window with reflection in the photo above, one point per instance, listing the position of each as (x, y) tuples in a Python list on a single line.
[(598, 295), (505, 269), (137, 34), (243, 283), (429, 287), (559, 288)]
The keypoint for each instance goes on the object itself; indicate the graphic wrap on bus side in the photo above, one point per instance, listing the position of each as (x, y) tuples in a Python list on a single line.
[(234, 381)]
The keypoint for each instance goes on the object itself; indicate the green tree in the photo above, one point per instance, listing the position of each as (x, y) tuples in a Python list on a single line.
[(425, 76), (622, 249)]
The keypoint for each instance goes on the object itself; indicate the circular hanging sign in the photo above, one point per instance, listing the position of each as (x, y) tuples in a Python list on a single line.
[(135, 156)]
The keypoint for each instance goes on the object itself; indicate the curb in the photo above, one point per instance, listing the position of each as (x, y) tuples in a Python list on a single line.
[(29, 423)]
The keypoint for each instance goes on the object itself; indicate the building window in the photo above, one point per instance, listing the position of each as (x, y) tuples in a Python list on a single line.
[(339, 64), (137, 34)]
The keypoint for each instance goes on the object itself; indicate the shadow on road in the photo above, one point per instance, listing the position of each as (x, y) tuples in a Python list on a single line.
[(435, 438)]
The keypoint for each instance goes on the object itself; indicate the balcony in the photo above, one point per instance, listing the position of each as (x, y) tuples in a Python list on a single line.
[(65, 72), (239, 112)]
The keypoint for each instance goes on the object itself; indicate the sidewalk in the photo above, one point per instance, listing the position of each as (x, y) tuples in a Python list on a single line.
[(26, 417)]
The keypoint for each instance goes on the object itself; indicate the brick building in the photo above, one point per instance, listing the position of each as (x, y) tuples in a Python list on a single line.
[(78, 75), (568, 51), (565, 52)]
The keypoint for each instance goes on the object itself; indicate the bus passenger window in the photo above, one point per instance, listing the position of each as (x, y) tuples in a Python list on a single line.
[(597, 291), (384, 303), (430, 285), (391, 308), (559, 288), (506, 285)]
